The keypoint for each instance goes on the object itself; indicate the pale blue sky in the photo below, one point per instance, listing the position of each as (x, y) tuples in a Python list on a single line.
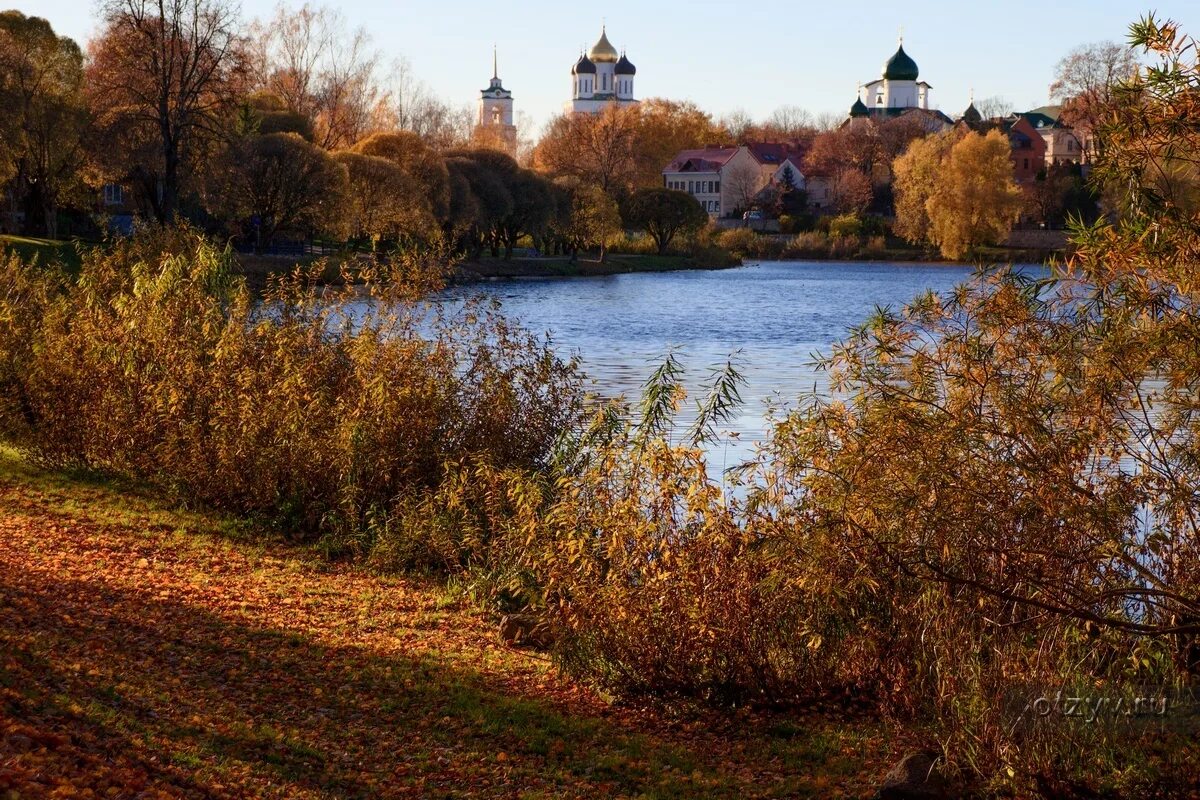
[(723, 56)]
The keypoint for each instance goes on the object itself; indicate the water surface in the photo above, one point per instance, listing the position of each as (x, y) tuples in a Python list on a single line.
[(780, 315)]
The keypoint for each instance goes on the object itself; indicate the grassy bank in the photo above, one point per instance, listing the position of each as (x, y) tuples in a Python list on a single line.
[(44, 251), (155, 652)]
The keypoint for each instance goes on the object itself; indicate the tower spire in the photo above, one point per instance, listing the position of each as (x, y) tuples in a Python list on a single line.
[(901, 35), (495, 67)]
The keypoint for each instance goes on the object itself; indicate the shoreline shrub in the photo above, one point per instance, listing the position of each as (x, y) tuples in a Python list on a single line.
[(315, 407)]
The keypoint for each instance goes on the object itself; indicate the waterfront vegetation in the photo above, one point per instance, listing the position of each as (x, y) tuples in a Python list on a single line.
[(253, 542)]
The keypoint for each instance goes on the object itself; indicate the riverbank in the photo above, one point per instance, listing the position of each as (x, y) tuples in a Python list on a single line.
[(149, 651)]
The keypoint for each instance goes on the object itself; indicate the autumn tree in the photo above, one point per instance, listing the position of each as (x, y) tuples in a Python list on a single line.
[(593, 149), (1084, 83), (479, 201), (280, 182), (595, 219), (418, 160), (409, 105), (382, 200), (976, 200), (41, 90), (161, 77), (917, 175), (321, 70), (664, 214), (663, 128)]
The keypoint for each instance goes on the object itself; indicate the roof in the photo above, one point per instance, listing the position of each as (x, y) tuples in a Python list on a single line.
[(583, 66), (900, 67), (859, 109), (705, 159), (892, 113), (602, 51), (773, 152), (972, 114), (625, 67)]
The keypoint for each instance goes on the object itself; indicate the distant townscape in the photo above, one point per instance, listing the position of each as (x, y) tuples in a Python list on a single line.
[(295, 138)]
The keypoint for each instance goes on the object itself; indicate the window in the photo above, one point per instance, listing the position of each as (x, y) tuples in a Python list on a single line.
[(717, 188), (690, 187), (1027, 163), (114, 194), (716, 206), (1070, 146)]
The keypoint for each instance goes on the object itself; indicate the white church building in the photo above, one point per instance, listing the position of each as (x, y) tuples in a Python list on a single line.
[(601, 77), (494, 125), (897, 92)]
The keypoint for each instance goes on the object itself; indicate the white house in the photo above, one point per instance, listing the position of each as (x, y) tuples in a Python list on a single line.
[(725, 179), (601, 77)]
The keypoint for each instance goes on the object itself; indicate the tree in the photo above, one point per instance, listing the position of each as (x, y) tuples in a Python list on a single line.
[(407, 150), (976, 199), (41, 90), (279, 182), (162, 74), (479, 203), (320, 70), (1046, 197), (916, 177), (382, 201), (1084, 83), (663, 128), (849, 191), (1027, 450), (595, 219), (664, 214), (594, 149), (994, 106), (742, 184)]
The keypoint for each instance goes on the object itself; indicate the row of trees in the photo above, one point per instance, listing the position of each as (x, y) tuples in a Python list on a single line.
[(172, 92)]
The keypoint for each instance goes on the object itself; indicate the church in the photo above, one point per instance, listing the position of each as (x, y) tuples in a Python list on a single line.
[(898, 92), (495, 127), (601, 77)]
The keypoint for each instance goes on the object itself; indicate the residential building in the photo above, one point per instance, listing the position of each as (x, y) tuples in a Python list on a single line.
[(726, 179), (1063, 145), (600, 78)]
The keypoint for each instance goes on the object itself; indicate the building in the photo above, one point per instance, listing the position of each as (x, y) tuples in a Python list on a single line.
[(495, 127), (726, 179), (1063, 145), (600, 78), (898, 92)]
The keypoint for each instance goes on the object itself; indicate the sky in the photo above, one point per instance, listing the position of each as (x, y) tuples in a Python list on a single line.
[(723, 56)]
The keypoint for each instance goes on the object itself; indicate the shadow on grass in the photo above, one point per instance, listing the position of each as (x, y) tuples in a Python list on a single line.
[(196, 700)]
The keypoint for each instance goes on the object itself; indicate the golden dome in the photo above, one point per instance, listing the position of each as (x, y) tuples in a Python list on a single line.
[(603, 51)]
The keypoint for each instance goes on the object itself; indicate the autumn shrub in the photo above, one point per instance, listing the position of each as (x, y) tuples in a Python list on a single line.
[(845, 225), (874, 246), (809, 244), (737, 240), (325, 409)]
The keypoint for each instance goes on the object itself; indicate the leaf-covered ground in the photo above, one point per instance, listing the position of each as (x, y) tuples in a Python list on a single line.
[(147, 652)]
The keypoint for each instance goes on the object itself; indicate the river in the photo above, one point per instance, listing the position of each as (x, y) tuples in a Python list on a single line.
[(779, 315)]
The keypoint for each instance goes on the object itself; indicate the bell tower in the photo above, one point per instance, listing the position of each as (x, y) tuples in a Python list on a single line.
[(494, 127)]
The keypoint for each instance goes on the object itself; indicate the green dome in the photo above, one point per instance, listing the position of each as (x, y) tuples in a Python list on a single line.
[(859, 109), (900, 67)]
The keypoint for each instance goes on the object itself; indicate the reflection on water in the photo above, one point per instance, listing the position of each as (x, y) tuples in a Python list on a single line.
[(780, 315)]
